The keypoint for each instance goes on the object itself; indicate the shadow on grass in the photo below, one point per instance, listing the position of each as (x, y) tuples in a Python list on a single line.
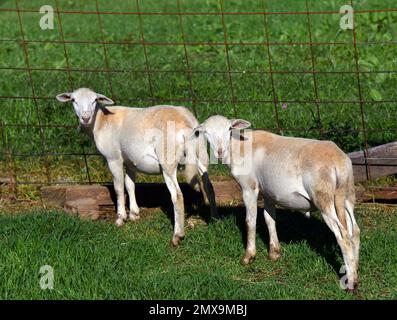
[(292, 227)]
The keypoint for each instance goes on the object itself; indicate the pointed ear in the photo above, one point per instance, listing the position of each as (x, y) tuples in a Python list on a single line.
[(240, 124), (64, 97), (103, 99), (196, 132)]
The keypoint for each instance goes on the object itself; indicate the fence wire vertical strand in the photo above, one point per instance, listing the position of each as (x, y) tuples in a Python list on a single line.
[(165, 6), (3, 146), (189, 73), (29, 71), (143, 42), (10, 167), (8, 160), (314, 71), (71, 86), (360, 95), (105, 53), (229, 68), (267, 44), (86, 164)]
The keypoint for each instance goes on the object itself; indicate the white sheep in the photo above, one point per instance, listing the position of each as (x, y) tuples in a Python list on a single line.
[(295, 173), (151, 140)]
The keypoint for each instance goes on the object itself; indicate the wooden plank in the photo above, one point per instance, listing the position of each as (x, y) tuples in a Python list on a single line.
[(53, 196), (88, 200), (147, 194), (379, 195), (382, 161)]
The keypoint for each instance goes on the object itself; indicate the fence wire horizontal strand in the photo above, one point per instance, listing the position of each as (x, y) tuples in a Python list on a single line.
[(203, 43), (138, 12), (177, 100), (126, 70)]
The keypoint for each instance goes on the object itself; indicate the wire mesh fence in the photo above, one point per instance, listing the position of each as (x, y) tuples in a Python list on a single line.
[(286, 66)]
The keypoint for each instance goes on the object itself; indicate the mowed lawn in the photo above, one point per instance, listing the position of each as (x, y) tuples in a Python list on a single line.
[(96, 260)]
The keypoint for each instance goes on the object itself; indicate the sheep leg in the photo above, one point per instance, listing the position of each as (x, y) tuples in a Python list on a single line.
[(355, 229), (130, 186), (345, 243), (250, 197), (270, 218), (177, 200), (116, 168), (208, 189)]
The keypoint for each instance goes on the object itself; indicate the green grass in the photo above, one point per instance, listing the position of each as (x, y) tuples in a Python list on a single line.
[(95, 260), (337, 120)]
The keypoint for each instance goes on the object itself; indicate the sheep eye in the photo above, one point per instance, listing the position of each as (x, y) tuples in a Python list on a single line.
[(73, 100)]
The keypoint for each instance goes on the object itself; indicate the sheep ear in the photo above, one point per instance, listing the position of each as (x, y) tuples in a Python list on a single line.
[(240, 124), (196, 131), (103, 99), (64, 97)]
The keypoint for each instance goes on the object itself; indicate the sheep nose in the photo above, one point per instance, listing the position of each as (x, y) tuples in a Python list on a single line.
[(220, 153), (86, 118)]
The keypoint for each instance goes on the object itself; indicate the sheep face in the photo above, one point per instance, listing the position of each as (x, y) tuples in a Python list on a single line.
[(84, 103), (218, 131)]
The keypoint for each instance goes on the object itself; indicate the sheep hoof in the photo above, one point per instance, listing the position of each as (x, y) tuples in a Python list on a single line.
[(247, 259), (176, 241), (353, 289), (134, 217), (215, 217), (119, 222), (274, 254)]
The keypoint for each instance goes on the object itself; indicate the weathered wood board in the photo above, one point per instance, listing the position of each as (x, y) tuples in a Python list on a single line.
[(382, 161)]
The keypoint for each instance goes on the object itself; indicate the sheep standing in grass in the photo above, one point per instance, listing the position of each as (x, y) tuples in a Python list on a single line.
[(295, 173), (151, 140)]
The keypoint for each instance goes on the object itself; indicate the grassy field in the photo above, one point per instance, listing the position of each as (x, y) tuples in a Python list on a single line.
[(95, 260), (170, 81)]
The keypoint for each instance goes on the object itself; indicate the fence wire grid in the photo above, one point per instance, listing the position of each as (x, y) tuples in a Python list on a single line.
[(286, 66)]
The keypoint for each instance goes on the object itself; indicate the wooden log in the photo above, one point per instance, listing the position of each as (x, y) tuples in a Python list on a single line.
[(89, 200), (382, 161), (54, 196), (86, 208), (379, 195)]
